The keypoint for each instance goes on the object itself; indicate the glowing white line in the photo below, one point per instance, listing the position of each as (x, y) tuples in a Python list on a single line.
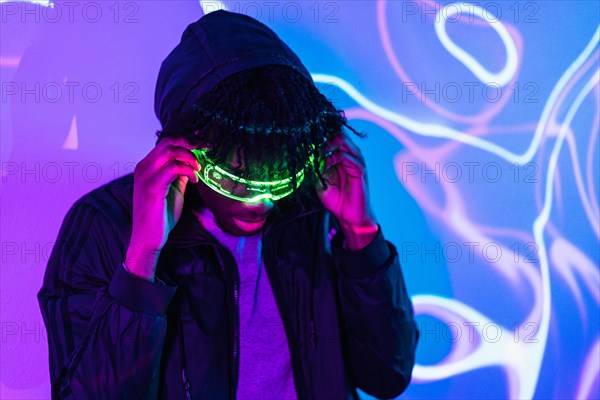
[(542, 219), (435, 130), (422, 128), (591, 371), (44, 3), (510, 68), (483, 356), (210, 6), (560, 85), (527, 389), (504, 350)]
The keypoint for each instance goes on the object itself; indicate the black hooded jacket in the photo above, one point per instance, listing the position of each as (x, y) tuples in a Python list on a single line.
[(347, 316)]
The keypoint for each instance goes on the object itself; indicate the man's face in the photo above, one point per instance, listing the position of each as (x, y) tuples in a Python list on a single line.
[(234, 216)]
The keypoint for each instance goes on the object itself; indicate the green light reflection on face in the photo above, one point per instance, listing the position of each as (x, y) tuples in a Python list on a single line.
[(241, 189)]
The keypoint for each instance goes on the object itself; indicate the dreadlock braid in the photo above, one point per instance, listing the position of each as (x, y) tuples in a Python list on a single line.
[(274, 115)]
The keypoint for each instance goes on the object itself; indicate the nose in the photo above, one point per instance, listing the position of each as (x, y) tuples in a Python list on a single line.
[(260, 207)]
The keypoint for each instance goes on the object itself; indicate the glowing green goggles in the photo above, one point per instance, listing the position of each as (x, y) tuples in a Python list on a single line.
[(237, 188)]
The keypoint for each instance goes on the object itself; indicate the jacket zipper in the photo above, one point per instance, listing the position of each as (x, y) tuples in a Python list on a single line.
[(236, 329), (233, 382)]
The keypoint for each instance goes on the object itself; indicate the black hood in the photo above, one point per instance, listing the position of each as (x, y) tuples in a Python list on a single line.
[(216, 46)]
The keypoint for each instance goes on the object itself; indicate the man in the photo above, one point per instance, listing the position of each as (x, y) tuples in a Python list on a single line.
[(241, 259)]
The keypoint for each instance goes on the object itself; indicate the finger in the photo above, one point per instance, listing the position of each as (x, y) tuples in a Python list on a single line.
[(330, 148), (331, 177), (338, 156), (179, 154), (352, 145), (165, 150), (171, 171), (343, 141), (352, 166), (333, 143)]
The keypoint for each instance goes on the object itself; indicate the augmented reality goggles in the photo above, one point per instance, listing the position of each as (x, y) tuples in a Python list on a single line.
[(245, 190)]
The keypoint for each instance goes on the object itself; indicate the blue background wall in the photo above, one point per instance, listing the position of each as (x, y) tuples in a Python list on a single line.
[(483, 155)]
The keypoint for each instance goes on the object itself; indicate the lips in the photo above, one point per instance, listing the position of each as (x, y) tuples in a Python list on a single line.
[(249, 225), (252, 220)]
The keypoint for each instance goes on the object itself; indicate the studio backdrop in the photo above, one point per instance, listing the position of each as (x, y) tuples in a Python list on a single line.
[(482, 150)]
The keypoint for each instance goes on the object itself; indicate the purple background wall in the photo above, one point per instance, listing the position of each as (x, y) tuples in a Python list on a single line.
[(483, 157)]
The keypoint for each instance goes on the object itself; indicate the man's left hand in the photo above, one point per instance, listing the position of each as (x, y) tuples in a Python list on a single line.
[(347, 193)]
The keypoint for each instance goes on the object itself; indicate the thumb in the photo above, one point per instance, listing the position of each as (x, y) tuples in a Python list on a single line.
[(180, 184)]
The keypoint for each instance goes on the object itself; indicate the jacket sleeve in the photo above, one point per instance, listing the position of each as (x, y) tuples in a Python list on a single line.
[(106, 327), (380, 334)]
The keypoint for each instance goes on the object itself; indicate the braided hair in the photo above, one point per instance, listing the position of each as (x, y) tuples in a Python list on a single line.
[(274, 115)]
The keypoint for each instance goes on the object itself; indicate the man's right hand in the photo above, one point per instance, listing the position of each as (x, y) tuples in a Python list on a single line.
[(159, 183)]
